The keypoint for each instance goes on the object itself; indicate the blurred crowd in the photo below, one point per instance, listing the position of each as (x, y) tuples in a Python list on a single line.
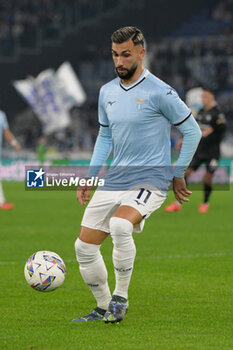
[(183, 62), (223, 12), (186, 63), (23, 23)]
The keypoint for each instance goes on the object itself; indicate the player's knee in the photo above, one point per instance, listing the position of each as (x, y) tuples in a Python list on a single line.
[(121, 232), (86, 252), (119, 226)]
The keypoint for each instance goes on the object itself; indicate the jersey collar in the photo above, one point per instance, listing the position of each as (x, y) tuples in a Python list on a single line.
[(138, 81)]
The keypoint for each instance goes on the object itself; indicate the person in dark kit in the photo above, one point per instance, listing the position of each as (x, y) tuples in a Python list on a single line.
[(213, 126)]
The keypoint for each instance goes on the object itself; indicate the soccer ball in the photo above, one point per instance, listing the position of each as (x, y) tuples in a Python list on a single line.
[(45, 271)]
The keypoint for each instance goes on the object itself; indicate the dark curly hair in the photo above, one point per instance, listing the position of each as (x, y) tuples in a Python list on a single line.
[(124, 34)]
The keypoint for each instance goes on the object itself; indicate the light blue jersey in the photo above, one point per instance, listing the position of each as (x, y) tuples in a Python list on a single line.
[(138, 119), (3, 126)]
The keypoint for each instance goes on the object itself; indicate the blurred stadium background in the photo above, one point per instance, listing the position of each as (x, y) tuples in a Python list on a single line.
[(181, 290), (188, 43)]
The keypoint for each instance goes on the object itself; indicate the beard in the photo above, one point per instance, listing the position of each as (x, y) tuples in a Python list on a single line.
[(128, 72)]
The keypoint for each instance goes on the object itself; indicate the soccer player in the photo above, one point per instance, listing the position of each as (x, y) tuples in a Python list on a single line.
[(136, 111), (213, 125), (6, 133)]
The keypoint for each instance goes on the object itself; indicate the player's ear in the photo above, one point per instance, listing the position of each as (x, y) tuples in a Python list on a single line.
[(142, 52)]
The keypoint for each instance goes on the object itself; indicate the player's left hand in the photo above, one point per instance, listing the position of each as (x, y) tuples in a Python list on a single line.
[(180, 190)]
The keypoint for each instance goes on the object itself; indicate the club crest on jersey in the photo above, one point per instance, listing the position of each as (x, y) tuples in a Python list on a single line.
[(139, 102)]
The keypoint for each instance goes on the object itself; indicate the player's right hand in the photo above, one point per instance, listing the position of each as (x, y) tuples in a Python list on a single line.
[(84, 194)]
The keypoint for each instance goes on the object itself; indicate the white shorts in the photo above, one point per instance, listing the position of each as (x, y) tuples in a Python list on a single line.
[(145, 199)]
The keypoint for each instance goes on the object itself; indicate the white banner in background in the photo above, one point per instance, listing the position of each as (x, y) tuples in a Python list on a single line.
[(51, 94), (70, 85)]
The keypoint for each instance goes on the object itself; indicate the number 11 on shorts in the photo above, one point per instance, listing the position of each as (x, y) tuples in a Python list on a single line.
[(148, 194)]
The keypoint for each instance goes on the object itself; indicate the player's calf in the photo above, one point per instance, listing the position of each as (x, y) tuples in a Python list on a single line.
[(124, 252), (93, 271)]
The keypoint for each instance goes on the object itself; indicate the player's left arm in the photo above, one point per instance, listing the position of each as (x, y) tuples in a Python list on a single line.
[(176, 111), (191, 137)]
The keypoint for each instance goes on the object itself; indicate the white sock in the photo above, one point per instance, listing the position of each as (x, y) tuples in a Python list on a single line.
[(2, 198), (124, 252), (93, 271)]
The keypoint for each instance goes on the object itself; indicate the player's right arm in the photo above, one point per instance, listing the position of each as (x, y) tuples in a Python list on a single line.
[(101, 151)]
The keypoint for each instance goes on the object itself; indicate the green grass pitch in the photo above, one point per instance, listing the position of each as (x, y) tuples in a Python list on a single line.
[(181, 292)]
